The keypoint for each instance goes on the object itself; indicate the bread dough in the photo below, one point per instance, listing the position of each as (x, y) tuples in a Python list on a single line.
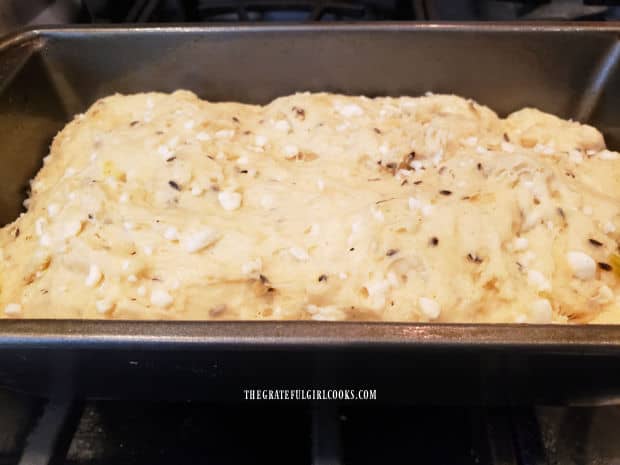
[(317, 206)]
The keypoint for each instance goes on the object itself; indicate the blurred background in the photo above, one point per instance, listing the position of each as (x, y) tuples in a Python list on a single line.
[(17, 13)]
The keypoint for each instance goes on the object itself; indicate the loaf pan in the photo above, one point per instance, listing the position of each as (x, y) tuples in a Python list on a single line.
[(48, 75)]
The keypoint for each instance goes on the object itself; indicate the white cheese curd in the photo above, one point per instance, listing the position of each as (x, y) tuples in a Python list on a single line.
[(541, 311), (161, 298), (429, 307), (583, 266), (229, 200), (299, 254), (198, 240), (13, 309), (94, 276)]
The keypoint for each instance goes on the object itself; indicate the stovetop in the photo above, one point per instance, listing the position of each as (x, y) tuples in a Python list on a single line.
[(121, 432), (334, 10), (40, 431), (16, 13)]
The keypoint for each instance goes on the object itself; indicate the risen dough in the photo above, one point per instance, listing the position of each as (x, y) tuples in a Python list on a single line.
[(317, 206)]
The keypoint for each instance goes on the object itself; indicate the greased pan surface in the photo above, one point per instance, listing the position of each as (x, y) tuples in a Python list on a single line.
[(47, 75)]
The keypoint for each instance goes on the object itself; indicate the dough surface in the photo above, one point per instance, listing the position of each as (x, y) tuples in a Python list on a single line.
[(318, 206)]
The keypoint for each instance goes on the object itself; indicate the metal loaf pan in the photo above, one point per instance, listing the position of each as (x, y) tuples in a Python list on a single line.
[(47, 75)]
